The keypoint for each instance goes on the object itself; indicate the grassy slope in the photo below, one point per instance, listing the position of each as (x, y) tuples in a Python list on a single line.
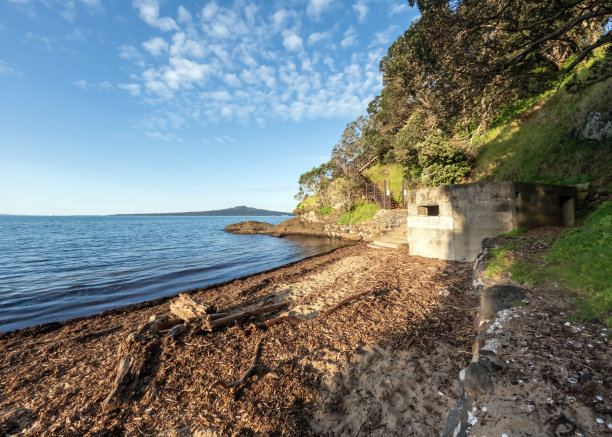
[(390, 173), (579, 258), (537, 144)]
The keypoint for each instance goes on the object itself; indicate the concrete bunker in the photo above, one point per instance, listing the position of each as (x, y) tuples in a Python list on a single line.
[(450, 222)]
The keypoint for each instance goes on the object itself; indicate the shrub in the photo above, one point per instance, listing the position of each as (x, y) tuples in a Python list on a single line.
[(325, 210)]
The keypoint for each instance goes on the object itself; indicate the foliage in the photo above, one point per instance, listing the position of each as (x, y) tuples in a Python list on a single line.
[(392, 173), (314, 180), (308, 203), (538, 145), (581, 258), (441, 163), (352, 143), (325, 210), (359, 212), (600, 71)]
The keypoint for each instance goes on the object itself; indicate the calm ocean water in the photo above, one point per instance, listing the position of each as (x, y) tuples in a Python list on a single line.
[(56, 268)]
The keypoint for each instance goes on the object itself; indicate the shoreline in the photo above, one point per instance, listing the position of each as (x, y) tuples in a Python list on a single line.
[(56, 377), (51, 326)]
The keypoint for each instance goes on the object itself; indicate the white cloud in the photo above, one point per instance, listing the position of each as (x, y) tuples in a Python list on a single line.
[(8, 70), (68, 12), (149, 12), (232, 80), (398, 8), (221, 95), (183, 46), (202, 75), (362, 10), (279, 18), (317, 37), (156, 46), (291, 41), (129, 53), (350, 38), (132, 88), (184, 16), (105, 85), (316, 7), (83, 84), (222, 23), (384, 37)]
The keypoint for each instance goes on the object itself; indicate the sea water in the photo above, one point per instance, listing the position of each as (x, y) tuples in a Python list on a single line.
[(56, 268)]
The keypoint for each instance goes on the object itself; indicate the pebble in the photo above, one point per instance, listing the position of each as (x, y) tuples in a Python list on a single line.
[(440, 393), (599, 420), (568, 324), (599, 398)]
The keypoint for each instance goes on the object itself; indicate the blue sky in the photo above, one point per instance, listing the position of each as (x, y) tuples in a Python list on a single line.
[(119, 106)]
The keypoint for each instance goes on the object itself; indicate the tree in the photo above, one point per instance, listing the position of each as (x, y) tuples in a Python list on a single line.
[(314, 180), (352, 143)]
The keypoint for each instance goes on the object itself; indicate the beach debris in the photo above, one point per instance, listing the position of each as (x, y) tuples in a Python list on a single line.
[(236, 384), (348, 300), (188, 308), (210, 322)]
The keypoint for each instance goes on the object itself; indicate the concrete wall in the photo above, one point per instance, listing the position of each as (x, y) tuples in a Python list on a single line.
[(480, 211), (544, 205), (430, 236), (468, 213)]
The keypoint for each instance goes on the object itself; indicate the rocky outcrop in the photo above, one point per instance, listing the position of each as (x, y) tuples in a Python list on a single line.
[(598, 127), (292, 226), (312, 224)]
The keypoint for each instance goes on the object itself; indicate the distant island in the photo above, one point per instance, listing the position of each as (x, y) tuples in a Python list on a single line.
[(235, 211)]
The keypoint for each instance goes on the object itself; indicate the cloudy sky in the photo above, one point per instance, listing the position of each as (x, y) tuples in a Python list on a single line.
[(118, 106)]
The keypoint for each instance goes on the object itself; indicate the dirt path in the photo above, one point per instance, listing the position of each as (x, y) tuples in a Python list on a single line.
[(383, 364)]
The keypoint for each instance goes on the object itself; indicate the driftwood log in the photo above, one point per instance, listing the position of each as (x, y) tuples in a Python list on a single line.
[(188, 308), (139, 359), (211, 323)]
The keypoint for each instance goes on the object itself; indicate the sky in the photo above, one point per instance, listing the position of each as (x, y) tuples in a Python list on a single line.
[(134, 106)]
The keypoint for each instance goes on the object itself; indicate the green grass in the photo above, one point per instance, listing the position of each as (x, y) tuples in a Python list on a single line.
[(514, 232), (532, 140), (391, 173), (309, 203), (503, 262), (582, 258), (325, 210), (360, 212)]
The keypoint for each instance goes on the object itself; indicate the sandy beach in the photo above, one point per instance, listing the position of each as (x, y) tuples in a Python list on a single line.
[(384, 363)]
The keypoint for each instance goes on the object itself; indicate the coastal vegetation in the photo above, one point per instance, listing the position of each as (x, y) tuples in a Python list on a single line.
[(484, 91), (579, 258)]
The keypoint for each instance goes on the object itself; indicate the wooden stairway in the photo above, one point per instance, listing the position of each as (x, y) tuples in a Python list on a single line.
[(372, 192)]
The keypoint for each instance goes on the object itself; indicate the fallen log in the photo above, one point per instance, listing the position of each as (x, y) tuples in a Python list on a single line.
[(188, 308), (283, 319), (245, 375), (347, 300), (210, 323)]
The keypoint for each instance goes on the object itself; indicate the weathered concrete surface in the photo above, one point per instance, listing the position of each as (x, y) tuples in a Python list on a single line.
[(450, 222)]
